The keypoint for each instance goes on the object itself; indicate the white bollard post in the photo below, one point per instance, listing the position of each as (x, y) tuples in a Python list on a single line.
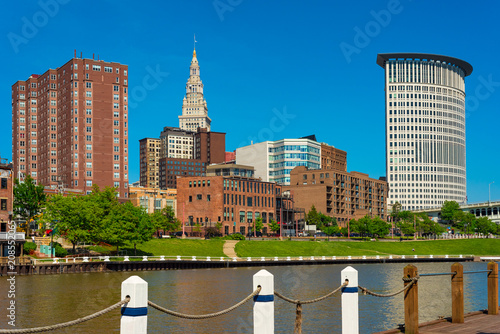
[(144, 258), (134, 318), (349, 257), (403, 257), (235, 259), (415, 256), (126, 258), (262, 258), (334, 257), (431, 256), (208, 258), (377, 257), (390, 257), (56, 260), (193, 258), (106, 259), (275, 258), (178, 258), (461, 256), (85, 259), (301, 258), (364, 257), (221, 258), (249, 259), (288, 258), (312, 258), (323, 257), (162, 258), (263, 306), (446, 256), (350, 311)]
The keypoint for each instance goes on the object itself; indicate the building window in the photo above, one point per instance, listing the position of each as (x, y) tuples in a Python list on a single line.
[(3, 183), (3, 204), (190, 198), (208, 198), (198, 196)]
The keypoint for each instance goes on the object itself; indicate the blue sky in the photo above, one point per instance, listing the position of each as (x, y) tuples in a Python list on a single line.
[(271, 69)]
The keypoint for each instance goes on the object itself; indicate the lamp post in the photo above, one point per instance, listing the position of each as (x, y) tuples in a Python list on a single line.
[(489, 192)]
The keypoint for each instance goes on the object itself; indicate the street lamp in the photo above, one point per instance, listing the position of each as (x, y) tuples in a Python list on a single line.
[(489, 192)]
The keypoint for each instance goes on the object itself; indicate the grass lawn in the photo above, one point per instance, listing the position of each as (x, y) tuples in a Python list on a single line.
[(173, 247), (368, 248)]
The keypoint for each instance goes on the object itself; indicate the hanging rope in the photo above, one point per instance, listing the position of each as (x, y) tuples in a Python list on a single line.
[(66, 324), (298, 303), (204, 316), (412, 281)]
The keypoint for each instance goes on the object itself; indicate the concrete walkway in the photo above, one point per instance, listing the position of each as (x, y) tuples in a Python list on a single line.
[(228, 248)]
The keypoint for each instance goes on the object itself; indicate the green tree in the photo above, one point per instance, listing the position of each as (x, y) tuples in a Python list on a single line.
[(136, 224), (71, 218), (380, 227), (312, 217), (448, 210), (396, 209), (275, 227), (330, 230), (325, 221), (165, 220), (258, 225), (486, 226), (29, 200)]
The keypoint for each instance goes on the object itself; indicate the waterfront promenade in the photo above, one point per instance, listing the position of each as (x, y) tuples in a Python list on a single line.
[(478, 322)]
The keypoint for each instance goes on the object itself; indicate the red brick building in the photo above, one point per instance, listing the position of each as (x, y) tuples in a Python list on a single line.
[(338, 194), (235, 202), (6, 193), (71, 123)]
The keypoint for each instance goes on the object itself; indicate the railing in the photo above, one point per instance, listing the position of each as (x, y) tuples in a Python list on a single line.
[(134, 302), (126, 258)]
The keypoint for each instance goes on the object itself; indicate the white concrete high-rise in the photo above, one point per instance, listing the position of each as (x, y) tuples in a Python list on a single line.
[(194, 106), (425, 128)]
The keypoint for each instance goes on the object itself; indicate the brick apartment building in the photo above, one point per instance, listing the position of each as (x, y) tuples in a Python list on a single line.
[(333, 158), (71, 124), (153, 199), (233, 201), (338, 193), (149, 153), (6, 193)]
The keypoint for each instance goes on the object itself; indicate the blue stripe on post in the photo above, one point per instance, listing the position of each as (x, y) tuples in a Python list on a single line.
[(134, 311), (349, 290), (263, 298)]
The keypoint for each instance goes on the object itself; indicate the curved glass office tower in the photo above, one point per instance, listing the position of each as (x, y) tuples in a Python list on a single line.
[(425, 128)]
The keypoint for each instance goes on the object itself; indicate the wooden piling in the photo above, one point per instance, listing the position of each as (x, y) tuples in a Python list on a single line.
[(457, 294), (493, 288), (411, 301)]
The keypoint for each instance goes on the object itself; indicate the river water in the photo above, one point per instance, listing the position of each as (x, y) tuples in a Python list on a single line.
[(46, 300)]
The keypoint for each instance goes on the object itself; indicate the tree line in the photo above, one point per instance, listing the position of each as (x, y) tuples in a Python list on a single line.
[(93, 218)]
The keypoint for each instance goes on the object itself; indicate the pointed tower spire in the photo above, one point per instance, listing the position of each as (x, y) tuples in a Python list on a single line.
[(194, 107)]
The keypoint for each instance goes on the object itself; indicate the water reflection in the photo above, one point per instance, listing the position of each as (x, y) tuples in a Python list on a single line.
[(45, 300)]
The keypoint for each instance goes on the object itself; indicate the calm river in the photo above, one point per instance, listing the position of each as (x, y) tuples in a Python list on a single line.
[(51, 299)]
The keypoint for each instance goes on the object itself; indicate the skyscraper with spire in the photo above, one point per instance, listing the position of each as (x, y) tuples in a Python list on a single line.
[(194, 107)]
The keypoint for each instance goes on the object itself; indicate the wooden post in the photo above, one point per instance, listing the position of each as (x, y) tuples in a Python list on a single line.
[(350, 301), (457, 294), (263, 306), (411, 301), (134, 314), (493, 288)]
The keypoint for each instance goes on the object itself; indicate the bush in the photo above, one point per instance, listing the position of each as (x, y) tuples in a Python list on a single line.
[(60, 251), (28, 247)]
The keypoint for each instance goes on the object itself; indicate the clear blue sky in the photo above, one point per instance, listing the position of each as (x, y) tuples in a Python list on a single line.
[(263, 59)]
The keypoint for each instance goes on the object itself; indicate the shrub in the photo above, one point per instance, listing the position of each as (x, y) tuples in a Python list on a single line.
[(28, 247), (60, 251)]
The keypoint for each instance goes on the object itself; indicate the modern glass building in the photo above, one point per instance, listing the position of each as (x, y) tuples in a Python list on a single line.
[(274, 160), (425, 128)]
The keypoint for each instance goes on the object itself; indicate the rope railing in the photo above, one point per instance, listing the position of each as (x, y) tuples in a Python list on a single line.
[(205, 316), (298, 303), (66, 324), (412, 281)]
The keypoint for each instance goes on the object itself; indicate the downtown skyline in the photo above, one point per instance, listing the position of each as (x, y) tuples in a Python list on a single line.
[(270, 71)]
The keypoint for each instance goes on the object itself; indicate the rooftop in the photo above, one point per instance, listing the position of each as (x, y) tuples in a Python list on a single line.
[(465, 66)]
